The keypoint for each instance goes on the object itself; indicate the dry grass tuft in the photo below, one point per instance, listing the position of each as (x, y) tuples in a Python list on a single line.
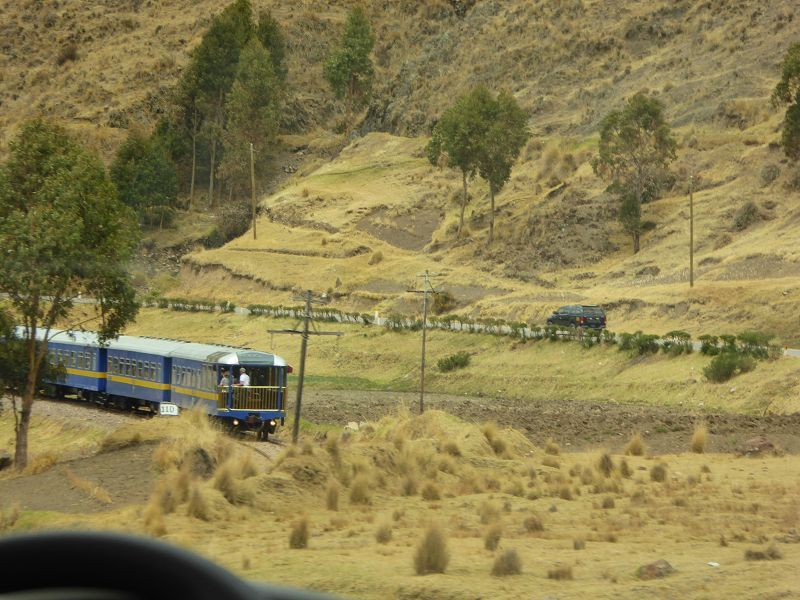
[(625, 469), (635, 446), (226, 481), (769, 553), (9, 517), (408, 487), (551, 447), (430, 491), (95, 491), (507, 563), (198, 505), (452, 448), (360, 491), (333, 447), (533, 524), (489, 512), (41, 463), (605, 465), (565, 492), (658, 472), (579, 544), (383, 534), (298, 537), (492, 535), (608, 502), (551, 461), (699, 438), (431, 555), (154, 520), (560, 573), (332, 496)]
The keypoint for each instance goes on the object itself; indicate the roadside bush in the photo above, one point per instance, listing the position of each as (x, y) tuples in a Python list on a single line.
[(728, 364), (754, 343), (677, 342), (459, 360), (645, 343), (709, 345)]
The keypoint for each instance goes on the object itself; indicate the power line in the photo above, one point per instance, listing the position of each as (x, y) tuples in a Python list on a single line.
[(307, 319)]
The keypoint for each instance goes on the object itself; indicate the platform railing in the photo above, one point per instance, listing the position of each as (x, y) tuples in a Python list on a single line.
[(252, 397)]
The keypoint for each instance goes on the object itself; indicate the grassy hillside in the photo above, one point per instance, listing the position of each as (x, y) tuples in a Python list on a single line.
[(365, 223)]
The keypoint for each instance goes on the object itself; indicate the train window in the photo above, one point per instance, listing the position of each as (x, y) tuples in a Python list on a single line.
[(126, 366), (94, 361), (71, 359)]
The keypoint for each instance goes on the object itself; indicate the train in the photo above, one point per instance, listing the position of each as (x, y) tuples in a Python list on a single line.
[(164, 375)]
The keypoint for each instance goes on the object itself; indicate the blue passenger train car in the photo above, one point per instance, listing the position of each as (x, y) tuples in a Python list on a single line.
[(143, 372)]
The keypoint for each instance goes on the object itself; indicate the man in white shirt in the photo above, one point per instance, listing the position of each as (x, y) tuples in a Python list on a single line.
[(244, 378)]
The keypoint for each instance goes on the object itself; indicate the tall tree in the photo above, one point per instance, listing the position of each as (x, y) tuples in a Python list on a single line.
[(213, 69), (349, 69), (505, 135), (455, 142), (788, 92), (270, 35), (62, 233), (635, 149), (253, 113), (146, 178)]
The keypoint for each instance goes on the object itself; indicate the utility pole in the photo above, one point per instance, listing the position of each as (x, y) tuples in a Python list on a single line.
[(427, 288), (253, 187), (304, 333), (691, 231)]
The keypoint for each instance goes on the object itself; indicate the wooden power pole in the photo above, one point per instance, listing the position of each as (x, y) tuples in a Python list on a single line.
[(306, 331), (691, 231), (253, 187), (427, 288)]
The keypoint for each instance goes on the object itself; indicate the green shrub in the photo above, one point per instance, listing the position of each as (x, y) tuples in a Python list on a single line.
[(443, 302), (709, 345), (728, 364), (459, 360), (754, 343)]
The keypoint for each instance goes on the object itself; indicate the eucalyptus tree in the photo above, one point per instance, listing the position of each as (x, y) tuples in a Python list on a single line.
[(63, 234), (635, 149), (349, 69), (788, 92)]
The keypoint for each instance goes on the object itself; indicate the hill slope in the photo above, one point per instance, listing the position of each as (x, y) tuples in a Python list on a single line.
[(712, 63)]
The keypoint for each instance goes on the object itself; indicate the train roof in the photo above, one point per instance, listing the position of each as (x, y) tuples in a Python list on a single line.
[(212, 353)]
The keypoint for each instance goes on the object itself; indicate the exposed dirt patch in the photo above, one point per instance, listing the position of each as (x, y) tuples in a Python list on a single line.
[(574, 425), (410, 232), (124, 474)]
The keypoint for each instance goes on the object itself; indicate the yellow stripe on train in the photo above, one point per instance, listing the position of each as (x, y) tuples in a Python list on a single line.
[(83, 373), (139, 382)]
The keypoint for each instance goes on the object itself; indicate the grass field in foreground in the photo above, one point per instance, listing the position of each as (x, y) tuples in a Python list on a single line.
[(581, 524)]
